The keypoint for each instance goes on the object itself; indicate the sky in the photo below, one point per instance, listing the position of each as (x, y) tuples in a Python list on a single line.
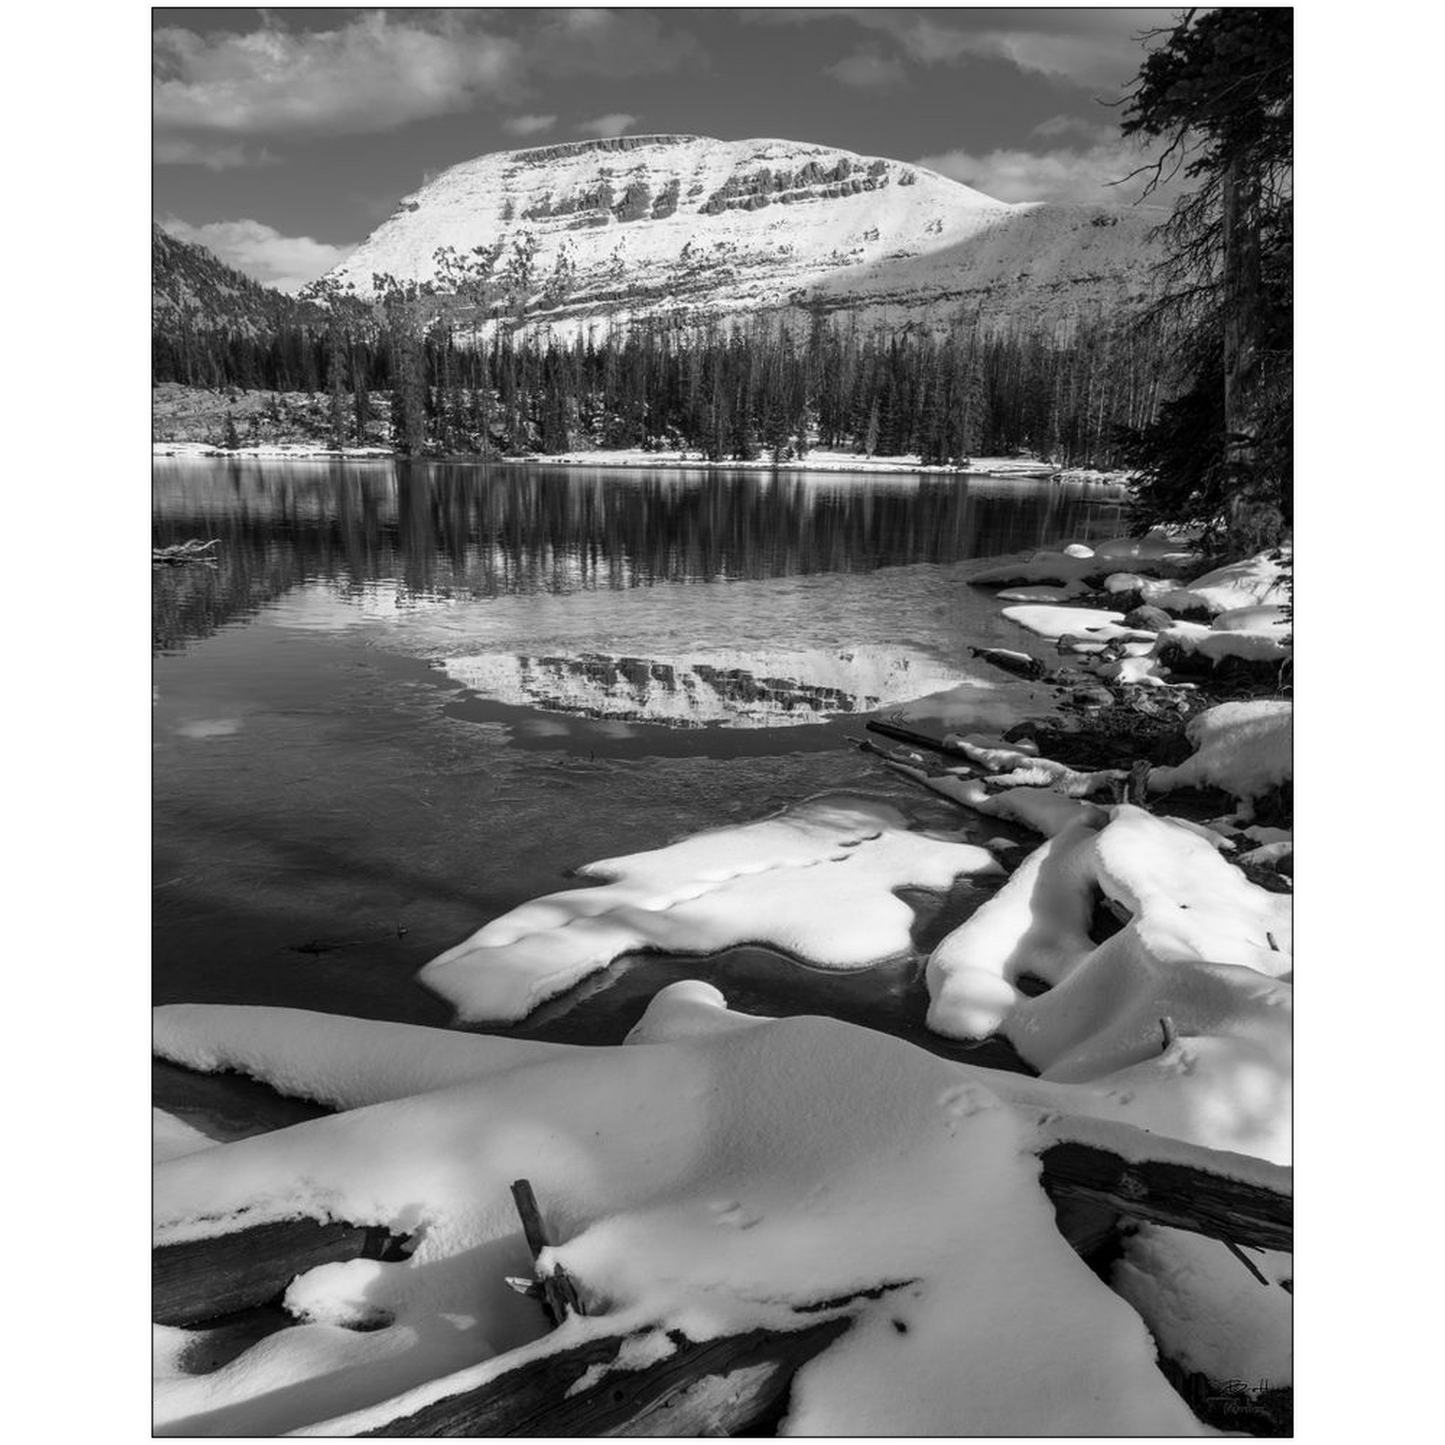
[(283, 137)]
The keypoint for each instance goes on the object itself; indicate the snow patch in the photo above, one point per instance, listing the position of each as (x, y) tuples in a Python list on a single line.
[(817, 881), (1245, 748)]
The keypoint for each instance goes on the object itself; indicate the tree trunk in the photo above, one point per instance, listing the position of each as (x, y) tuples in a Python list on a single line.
[(726, 1386), (203, 1279), (1180, 1195), (1241, 321)]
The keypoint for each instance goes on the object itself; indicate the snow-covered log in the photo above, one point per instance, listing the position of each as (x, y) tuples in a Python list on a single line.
[(202, 1279), (722, 1386), (1166, 1192)]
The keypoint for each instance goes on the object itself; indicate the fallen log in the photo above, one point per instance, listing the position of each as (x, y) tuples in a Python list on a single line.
[(907, 758), (203, 1279), (726, 1386), (907, 735), (1163, 1191), (178, 553)]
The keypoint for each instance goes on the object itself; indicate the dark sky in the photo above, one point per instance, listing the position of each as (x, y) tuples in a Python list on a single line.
[(282, 137)]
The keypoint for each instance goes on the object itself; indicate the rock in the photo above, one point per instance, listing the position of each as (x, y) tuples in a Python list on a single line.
[(1093, 697), (1148, 619), (1018, 663)]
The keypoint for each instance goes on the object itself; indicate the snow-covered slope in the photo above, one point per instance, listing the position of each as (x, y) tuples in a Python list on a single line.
[(683, 226)]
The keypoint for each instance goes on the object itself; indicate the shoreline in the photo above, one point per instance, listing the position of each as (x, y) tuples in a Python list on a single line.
[(1007, 468)]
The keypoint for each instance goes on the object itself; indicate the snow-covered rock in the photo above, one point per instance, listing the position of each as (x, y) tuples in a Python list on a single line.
[(1245, 748)]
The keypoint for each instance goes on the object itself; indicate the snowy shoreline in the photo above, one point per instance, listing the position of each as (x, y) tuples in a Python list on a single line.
[(1021, 469), (718, 1172)]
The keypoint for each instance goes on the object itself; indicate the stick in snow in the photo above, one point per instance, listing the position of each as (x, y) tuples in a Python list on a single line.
[(559, 1294)]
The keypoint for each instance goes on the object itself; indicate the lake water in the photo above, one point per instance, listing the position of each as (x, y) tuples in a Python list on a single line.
[(409, 697)]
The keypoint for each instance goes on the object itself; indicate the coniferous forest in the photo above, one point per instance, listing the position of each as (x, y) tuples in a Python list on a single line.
[(748, 392)]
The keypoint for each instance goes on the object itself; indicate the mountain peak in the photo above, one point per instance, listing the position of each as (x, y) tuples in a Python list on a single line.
[(687, 227)]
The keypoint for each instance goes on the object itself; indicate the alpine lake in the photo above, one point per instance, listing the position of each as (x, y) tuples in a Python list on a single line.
[(405, 698)]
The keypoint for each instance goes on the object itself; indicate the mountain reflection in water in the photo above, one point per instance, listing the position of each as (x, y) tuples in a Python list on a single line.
[(743, 689)]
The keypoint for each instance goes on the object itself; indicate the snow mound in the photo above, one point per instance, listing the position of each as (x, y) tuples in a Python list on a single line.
[(817, 881), (1245, 748), (1252, 582), (732, 1178), (1196, 944), (1094, 624)]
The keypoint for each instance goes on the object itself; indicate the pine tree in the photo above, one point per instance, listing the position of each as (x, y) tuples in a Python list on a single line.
[(1219, 91)]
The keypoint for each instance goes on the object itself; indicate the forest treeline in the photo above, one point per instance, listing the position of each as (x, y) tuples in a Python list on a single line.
[(742, 393)]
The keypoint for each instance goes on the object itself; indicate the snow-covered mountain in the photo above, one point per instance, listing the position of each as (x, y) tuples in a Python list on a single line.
[(684, 226)]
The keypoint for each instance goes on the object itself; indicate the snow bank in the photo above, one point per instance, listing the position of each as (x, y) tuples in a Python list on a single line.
[(171, 1137), (1245, 748), (714, 1182), (1206, 1310), (1217, 644), (1273, 620), (1202, 947), (816, 460), (1157, 546), (270, 451), (817, 881), (1062, 568), (1043, 594), (1094, 624), (1252, 582), (347, 1064), (1158, 553)]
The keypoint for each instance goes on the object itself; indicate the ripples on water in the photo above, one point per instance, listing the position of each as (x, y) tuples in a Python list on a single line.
[(406, 698)]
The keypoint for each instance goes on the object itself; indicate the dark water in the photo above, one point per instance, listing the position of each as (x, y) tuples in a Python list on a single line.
[(408, 698)]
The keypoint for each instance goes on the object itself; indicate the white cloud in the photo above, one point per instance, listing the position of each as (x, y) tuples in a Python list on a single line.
[(372, 74), (867, 70), (379, 71), (528, 124), (1071, 174), (174, 151), (615, 44), (1096, 49), (262, 252), (609, 125), (1070, 125)]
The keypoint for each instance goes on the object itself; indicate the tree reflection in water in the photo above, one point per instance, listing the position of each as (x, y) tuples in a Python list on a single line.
[(443, 530)]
